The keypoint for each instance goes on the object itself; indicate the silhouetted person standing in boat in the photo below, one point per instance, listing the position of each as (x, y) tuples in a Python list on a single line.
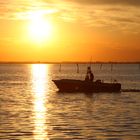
[(89, 75), (88, 70)]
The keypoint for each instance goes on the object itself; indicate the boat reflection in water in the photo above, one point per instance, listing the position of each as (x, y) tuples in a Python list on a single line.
[(40, 87)]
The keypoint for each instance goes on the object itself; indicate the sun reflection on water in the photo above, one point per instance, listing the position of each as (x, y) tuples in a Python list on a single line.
[(40, 87)]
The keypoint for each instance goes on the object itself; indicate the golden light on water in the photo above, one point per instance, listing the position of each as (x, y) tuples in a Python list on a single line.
[(40, 87)]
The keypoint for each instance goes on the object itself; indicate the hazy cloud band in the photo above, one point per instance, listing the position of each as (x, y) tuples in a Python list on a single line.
[(120, 2)]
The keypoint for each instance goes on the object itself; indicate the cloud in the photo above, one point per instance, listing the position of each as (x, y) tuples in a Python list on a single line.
[(107, 14), (109, 17), (120, 2), (13, 9)]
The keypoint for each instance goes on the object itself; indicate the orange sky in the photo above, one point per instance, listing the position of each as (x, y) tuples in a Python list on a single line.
[(41, 30)]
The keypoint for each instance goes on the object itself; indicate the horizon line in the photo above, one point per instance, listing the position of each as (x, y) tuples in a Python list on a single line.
[(69, 62)]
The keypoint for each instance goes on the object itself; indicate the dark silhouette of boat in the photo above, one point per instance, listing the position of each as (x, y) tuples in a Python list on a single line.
[(87, 85), (71, 85)]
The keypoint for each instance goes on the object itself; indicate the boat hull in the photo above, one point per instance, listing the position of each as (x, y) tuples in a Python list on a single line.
[(70, 85)]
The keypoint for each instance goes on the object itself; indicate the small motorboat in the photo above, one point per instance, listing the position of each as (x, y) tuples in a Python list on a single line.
[(87, 85), (71, 85)]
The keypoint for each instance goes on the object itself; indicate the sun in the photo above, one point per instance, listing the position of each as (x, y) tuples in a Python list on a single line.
[(40, 28)]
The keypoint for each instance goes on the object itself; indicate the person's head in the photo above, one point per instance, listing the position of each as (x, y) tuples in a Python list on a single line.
[(89, 67)]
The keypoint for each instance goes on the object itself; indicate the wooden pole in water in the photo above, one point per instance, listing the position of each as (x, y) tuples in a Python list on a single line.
[(77, 68), (90, 61), (60, 68), (111, 71), (101, 66), (111, 67)]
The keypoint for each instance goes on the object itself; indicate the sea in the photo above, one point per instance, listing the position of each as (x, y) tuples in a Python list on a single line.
[(31, 108)]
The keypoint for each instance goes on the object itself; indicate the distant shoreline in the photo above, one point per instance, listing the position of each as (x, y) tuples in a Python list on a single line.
[(68, 62)]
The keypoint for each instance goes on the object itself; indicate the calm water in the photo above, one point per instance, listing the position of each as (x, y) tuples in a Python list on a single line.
[(31, 108)]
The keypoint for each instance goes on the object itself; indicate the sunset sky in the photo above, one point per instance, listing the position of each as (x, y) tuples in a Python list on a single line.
[(69, 30)]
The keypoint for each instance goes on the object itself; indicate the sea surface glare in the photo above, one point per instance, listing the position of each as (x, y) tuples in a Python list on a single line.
[(32, 109)]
